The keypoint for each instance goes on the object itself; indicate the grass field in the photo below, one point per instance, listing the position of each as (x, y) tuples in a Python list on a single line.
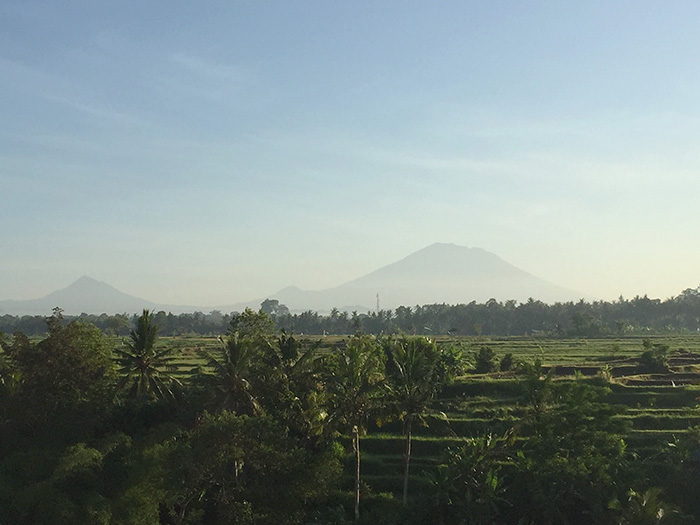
[(658, 407)]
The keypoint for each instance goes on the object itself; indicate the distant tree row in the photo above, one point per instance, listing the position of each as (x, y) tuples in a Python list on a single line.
[(571, 319), (213, 323)]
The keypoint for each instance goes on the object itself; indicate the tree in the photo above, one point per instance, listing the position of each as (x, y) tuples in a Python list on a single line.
[(270, 306), (537, 389), (258, 373), (63, 486), (9, 376), (413, 373), (58, 392), (68, 374), (654, 359), (299, 392), (354, 384), (507, 363), (231, 380), (469, 483), (648, 508), (485, 361), (572, 458), (143, 368), (227, 466), (252, 325)]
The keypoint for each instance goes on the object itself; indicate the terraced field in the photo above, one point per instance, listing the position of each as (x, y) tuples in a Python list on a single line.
[(658, 407)]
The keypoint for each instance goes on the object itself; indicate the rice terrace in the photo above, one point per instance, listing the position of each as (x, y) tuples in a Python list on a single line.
[(658, 406), (385, 428)]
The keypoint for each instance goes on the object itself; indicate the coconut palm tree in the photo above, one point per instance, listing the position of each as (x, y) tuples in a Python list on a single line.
[(649, 508), (300, 392), (354, 385), (232, 374), (413, 379), (146, 371)]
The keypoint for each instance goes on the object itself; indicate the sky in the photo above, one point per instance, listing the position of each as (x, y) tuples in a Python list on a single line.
[(213, 152)]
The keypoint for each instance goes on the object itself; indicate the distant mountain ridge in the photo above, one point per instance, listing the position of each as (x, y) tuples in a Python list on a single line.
[(439, 273), (86, 295)]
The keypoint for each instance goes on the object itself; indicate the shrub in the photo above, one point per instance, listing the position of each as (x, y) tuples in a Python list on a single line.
[(654, 359), (507, 363), (485, 361)]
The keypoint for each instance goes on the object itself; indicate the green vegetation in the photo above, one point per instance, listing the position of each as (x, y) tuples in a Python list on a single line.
[(263, 426), (354, 386), (625, 317), (143, 369), (412, 381), (485, 361)]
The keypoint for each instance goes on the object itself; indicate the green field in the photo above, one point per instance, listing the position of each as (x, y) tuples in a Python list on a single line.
[(657, 407), (557, 430)]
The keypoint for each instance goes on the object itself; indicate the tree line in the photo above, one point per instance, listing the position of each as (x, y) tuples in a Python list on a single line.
[(570, 319), (638, 315)]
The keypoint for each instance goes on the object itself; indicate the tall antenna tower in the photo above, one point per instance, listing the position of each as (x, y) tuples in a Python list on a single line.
[(377, 303)]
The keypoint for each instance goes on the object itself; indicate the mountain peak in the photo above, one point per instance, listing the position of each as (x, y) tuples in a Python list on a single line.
[(439, 273), (83, 295), (86, 280), (446, 272), (447, 248), (87, 285)]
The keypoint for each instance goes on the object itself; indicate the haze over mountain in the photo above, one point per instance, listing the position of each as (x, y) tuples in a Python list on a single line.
[(86, 295), (440, 273)]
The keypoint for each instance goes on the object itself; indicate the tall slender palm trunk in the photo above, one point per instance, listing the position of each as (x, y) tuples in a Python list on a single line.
[(356, 447), (406, 459)]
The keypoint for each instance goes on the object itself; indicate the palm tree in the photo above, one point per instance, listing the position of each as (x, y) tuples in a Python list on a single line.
[(143, 367), (538, 389), (468, 485), (300, 389), (648, 508), (354, 387), (232, 374), (414, 378)]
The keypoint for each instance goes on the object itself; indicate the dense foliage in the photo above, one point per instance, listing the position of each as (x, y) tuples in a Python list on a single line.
[(573, 319), (269, 428)]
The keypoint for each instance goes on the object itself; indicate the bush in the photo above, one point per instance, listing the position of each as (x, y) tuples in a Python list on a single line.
[(654, 359), (507, 363), (485, 361)]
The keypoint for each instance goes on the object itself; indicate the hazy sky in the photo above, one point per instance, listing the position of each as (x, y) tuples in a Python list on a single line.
[(207, 153)]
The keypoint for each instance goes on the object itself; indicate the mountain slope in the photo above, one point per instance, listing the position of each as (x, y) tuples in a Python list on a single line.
[(84, 295), (456, 274), (440, 273)]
